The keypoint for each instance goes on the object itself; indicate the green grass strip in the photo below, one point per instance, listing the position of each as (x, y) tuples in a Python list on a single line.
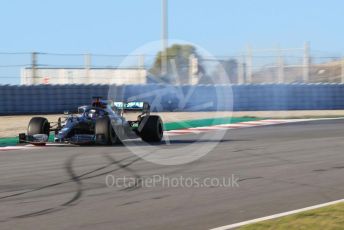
[(12, 141), (206, 122), (330, 218), (8, 141)]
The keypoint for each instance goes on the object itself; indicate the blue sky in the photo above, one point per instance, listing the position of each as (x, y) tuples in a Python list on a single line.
[(223, 27)]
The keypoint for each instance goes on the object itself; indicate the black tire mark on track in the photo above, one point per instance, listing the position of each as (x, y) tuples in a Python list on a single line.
[(138, 177), (63, 182), (250, 178), (73, 178), (78, 194)]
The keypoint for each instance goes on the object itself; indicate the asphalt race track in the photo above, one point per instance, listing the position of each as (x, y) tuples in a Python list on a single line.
[(280, 168)]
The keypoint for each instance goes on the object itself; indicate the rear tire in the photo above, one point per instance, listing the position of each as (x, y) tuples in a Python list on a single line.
[(104, 132), (38, 125), (151, 128)]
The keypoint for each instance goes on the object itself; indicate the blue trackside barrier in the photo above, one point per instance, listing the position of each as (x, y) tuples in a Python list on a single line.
[(45, 99)]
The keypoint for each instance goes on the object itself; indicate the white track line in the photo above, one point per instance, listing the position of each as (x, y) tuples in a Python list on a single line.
[(8, 148), (240, 224)]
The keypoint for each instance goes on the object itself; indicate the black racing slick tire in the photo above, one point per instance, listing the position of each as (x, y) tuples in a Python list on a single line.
[(151, 129), (104, 132), (38, 125)]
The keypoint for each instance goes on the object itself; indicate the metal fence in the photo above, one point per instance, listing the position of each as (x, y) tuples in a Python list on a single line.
[(275, 65)]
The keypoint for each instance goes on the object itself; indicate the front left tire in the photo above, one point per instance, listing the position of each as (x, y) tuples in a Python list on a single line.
[(38, 125)]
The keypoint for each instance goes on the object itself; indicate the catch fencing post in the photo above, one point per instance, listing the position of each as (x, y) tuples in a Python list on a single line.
[(141, 61), (249, 64), (88, 63), (306, 63), (141, 66), (342, 80), (280, 66), (33, 67), (164, 37), (193, 69), (241, 70)]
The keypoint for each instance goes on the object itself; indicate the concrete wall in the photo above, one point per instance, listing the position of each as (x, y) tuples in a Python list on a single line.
[(38, 99)]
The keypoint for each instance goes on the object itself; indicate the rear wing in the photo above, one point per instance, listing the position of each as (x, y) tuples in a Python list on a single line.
[(143, 107)]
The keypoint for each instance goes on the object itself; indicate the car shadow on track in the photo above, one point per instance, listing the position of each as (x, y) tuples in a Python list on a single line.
[(142, 143)]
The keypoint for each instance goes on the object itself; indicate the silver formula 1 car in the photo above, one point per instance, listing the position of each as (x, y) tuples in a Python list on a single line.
[(102, 123)]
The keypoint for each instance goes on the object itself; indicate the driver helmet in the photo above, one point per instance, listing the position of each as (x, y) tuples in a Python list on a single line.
[(92, 114)]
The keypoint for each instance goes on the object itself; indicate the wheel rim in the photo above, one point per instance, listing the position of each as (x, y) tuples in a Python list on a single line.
[(46, 128), (160, 130)]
